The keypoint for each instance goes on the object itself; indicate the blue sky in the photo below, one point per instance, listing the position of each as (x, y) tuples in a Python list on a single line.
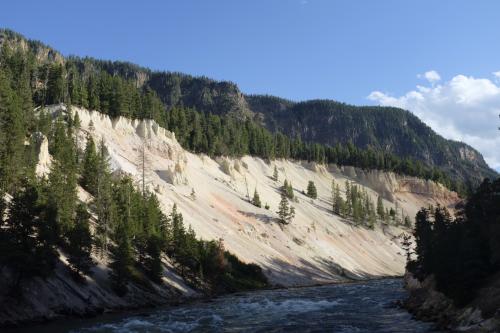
[(298, 49)]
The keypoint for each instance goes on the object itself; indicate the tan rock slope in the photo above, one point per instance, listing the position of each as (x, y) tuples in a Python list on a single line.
[(317, 247)]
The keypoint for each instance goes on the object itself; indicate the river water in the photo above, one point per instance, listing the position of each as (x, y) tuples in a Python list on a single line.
[(355, 307)]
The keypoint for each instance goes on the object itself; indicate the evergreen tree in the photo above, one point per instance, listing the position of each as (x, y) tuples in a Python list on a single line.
[(80, 242), (105, 206), (285, 212), (29, 251), (62, 177), (348, 198), (287, 189), (380, 208), (121, 259), (338, 202), (406, 245), (407, 221), (12, 135), (153, 264), (311, 190), (55, 85), (256, 199), (275, 174), (90, 167), (423, 241)]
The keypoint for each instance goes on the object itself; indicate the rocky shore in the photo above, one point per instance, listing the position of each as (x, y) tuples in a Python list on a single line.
[(428, 304)]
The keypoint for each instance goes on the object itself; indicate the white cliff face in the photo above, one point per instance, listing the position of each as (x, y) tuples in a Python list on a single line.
[(316, 247)]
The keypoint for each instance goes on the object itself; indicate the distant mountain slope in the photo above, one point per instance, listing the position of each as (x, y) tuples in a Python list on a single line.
[(385, 129)]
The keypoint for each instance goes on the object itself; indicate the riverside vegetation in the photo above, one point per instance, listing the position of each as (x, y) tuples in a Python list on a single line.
[(461, 255)]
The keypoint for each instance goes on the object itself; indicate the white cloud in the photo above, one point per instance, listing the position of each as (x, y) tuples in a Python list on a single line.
[(496, 75), (464, 109), (431, 76)]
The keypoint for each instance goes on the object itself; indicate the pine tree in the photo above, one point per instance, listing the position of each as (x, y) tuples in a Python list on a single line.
[(121, 259), (338, 202), (275, 174), (423, 241), (287, 189), (285, 212), (80, 242), (30, 249), (380, 208), (256, 199), (62, 177), (153, 264), (311, 190), (406, 245), (372, 217), (357, 213), (348, 198), (12, 135), (90, 167), (178, 232), (55, 85), (407, 221), (105, 207)]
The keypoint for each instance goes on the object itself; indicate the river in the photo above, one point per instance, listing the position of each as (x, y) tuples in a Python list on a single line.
[(354, 307)]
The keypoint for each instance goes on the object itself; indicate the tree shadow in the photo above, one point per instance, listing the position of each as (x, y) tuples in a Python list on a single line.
[(314, 272), (258, 216)]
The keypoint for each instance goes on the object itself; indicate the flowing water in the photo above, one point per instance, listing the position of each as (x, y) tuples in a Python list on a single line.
[(356, 307)]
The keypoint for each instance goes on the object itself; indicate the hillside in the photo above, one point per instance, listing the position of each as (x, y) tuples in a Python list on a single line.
[(212, 196), (382, 129), (316, 247)]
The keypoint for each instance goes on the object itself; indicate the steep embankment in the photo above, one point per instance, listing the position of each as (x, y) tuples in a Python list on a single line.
[(317, 247)]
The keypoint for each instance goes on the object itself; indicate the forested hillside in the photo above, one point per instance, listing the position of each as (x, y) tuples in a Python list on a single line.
[(41, 216), (381, 128), (217, 119)]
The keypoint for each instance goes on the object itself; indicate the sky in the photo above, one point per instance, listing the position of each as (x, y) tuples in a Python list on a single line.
[(438, 59)]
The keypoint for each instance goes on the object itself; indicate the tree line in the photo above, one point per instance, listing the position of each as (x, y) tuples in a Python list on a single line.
[(359, 206), (88, 83), (461, 252)]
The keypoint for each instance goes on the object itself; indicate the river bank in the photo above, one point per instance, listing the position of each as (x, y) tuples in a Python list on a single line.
[(366, 306), (427, 304), (42, 300), (23, 314)]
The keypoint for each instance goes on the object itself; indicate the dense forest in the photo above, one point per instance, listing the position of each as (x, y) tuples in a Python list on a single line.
[(41, 216), (112, 88), (462, 252), (385, 129)]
